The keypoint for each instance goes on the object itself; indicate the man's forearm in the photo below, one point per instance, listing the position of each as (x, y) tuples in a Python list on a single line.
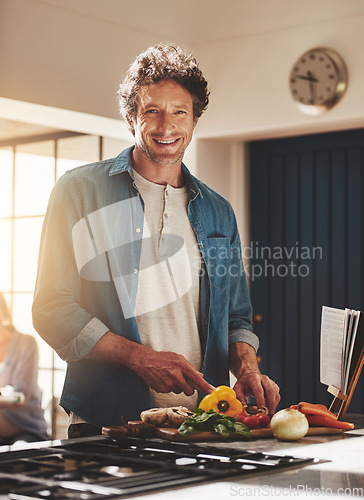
[(250, 382), (242, 359), (118, 351)]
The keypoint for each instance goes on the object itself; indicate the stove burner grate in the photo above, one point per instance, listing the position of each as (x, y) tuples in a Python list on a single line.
[(95, 468)]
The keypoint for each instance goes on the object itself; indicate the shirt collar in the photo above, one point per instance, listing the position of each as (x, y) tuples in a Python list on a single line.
[(122, 163)]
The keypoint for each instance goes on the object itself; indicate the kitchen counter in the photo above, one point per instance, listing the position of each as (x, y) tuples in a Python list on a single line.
[(98, 464), (338, 472)]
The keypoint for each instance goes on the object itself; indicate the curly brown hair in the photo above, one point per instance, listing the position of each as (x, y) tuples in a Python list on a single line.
[(164, 61)]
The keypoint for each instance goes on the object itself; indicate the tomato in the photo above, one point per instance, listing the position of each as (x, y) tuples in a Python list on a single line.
[(251, 421), (263, 419), (254, 417), (241, 417)]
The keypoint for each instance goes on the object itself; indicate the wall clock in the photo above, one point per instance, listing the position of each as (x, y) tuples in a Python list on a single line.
[(317, 80)]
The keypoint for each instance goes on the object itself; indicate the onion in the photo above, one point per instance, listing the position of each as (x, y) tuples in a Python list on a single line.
[(289, 425)]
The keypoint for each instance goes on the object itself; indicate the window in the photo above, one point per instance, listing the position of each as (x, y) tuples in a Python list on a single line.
[(28, 172)]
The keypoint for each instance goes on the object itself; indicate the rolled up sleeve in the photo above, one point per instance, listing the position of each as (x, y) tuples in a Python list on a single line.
[(85, 341), (242, 335), (58, 316)]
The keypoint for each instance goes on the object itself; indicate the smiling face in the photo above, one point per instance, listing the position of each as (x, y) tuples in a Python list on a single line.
[(163, 124)]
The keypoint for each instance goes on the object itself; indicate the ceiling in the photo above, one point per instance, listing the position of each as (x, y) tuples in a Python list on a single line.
[(11, 129), (196, 22)]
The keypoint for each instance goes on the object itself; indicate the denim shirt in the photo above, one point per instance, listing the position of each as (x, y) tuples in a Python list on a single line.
[(88, 277)]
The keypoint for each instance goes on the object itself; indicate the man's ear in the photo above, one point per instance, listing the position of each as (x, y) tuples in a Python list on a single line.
[(195, 120), (130, 121)]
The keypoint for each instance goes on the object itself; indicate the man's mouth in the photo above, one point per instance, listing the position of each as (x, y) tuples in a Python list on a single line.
[(171, 141)]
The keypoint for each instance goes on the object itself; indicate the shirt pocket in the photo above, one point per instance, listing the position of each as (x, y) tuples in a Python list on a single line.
[(218, 262)]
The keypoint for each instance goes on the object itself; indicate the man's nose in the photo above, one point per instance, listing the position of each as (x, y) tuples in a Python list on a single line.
[(166, 123)]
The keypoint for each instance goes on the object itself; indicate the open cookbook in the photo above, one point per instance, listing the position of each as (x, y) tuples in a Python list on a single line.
[(342, 341)]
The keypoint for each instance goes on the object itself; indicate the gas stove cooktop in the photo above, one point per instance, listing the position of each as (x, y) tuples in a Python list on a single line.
[(98, 467)]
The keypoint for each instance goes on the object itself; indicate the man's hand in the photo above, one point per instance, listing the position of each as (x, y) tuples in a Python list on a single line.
[(170, 372), (161, 371), (250, 382), (265, 391)]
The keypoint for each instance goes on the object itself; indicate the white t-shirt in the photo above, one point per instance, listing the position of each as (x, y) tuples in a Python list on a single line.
[(167, 303)]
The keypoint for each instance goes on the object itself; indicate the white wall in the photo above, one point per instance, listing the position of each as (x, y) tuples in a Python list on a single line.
[(249, 81)]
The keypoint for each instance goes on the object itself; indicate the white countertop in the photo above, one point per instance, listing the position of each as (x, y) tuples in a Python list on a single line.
[(339, 472)]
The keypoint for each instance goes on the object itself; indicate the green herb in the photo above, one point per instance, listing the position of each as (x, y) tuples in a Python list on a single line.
[(224, 425)]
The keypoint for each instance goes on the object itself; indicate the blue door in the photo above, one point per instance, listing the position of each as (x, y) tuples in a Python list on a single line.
[(306, 252)]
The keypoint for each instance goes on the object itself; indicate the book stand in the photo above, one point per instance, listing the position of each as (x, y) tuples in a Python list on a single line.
[(344, 399)]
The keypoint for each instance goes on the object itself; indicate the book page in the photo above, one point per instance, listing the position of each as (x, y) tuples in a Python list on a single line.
[(348, 334), (350, 342), (348, 320), (357, 343), (332, 333)]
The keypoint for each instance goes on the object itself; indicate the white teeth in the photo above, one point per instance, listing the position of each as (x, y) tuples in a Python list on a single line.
[(166, 142)]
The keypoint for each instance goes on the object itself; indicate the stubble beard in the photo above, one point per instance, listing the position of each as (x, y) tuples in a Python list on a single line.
[(160, 159), (164, 161)]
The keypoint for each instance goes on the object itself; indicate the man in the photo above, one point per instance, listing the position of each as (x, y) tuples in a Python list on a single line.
[(140, 283)]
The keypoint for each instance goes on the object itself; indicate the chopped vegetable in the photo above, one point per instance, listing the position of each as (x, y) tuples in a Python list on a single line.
[(250, 421), (254, 417), (202, 421), (222, 400), (253, 409)]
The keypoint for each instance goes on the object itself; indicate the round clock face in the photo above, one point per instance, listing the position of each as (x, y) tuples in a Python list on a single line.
[(318, 80)]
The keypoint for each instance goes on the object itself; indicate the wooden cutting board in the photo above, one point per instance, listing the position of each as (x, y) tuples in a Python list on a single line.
[(171, 434)]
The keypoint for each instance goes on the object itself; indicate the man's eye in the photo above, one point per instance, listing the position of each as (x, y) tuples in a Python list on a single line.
[(151, 111), (180, 112)]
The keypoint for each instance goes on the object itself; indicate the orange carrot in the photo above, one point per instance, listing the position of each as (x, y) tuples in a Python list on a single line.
[(327, 421), (314, 409)]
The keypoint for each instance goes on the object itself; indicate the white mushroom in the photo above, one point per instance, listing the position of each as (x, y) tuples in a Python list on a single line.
[(155, 416), (177, 415)]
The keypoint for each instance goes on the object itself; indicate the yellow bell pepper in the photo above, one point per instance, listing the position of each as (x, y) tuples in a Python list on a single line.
[(222, 400)]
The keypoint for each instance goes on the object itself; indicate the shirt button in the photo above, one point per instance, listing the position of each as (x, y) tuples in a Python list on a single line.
[(135, 271), (166, 216), (163, 240), (137, 230)]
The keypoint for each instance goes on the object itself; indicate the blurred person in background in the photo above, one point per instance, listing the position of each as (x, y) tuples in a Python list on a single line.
[(19, 370)]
